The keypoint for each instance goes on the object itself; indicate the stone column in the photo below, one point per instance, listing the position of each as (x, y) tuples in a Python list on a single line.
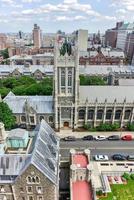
[(114, 110), (105, 109), (123, 113), (132, 114), (95, 113), (86, 112)]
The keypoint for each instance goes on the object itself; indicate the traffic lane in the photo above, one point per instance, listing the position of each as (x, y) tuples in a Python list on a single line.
[(65, 153), (97, 144)]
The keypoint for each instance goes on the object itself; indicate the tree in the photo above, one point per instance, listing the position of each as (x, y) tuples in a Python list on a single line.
[(6, 116), (4, 91), (93, 80), (5, 53)]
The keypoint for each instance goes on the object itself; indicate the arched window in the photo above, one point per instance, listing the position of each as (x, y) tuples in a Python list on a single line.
[(63, 78), (23, 118), (118, 114), (90, 114), (69, 78), (51, 119), (29, 179), (41, 117), (108, 114), (37, 179), (99, 114), (127, 114), (81, 114)]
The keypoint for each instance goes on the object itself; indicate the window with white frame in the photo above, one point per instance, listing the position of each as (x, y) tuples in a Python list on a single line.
[(39, 189), (29, 189)]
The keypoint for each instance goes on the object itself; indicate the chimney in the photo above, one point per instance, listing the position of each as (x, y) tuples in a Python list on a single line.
[(2, 133)]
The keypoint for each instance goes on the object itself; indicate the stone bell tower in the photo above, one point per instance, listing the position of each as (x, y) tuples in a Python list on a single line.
[(66, 85)]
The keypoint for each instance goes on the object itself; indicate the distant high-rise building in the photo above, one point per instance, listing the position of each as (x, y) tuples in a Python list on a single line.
[(82, 39), (3, 41), (129, 47), (37, 36), (122, 34), (111, 35)]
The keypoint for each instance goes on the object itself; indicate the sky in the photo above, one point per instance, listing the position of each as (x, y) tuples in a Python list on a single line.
[(65, 15)]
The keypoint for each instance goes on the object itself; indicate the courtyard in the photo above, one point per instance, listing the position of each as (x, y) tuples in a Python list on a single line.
[(121, 192)]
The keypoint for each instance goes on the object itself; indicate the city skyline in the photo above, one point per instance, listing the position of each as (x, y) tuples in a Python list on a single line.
[(61, 14)]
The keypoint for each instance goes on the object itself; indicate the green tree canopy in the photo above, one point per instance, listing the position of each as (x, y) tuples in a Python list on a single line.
[(93, 80), (5, 53), (6, 116)]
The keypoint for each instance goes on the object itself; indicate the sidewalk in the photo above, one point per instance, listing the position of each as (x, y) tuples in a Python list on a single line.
[(65, 133)]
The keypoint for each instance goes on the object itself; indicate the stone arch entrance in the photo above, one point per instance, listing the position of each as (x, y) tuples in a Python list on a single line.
[(66, 124)]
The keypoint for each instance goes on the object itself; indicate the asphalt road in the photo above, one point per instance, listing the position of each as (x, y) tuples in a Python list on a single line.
[(97, 147)]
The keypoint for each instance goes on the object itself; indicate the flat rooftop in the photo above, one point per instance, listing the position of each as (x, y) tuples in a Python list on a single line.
[(81, 190), (80, 160)]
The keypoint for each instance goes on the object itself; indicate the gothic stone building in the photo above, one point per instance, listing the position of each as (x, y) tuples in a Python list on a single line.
[(35, 175), (73, 105)]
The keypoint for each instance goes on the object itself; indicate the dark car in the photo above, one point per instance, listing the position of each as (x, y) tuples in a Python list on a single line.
[(88, 137), (114, 137), (119, 157), (69, 138)]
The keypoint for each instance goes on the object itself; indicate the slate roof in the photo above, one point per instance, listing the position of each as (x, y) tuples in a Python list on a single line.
[(105, 69), (7, 69), (41, 104), (101, 93), (43, 154)]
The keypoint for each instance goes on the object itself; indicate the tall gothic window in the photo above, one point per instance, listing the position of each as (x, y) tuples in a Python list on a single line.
[(90, 114), (63, 78), (109, 114), (81, 114), (70, 78), (118, 114), (127, 114), (99, 114)]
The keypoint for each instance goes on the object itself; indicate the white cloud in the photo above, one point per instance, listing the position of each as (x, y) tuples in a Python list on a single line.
[(66, 18), (70, 1)]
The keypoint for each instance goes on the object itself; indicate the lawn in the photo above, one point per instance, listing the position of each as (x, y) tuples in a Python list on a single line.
[(121, 192)]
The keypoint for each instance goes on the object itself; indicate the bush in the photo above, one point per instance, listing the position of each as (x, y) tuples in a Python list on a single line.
[(132, 176), (130, 127), (126, 176), (87, 126), (108, 127), (99, 193)]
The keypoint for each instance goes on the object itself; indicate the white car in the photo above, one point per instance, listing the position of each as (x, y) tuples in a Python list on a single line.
[(100, 137), (101, 158)]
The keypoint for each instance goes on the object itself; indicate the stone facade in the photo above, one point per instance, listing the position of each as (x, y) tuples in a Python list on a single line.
[(42, 189)]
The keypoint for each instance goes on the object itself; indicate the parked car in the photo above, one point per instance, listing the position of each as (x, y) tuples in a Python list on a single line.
[(127, 137), (119, 157), (116, 178), (88, 137), (110, 179), (114, 137), (101, 158), (130, 157), (69, 138), (100, 137)]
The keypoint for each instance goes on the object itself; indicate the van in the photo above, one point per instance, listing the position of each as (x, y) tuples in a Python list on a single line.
[(131, 157)]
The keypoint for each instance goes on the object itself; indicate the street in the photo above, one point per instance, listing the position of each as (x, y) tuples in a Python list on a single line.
[(97, 147)]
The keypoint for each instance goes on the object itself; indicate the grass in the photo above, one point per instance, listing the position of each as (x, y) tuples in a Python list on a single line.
[(121, 192)]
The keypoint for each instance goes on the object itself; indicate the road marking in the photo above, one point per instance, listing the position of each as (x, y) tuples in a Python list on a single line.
[(97, 148)]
